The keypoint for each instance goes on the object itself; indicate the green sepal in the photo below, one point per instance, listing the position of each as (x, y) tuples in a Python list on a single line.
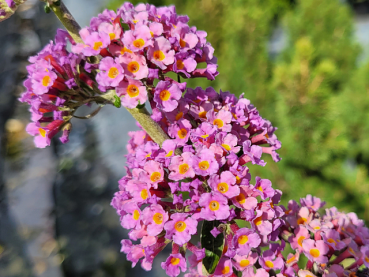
[(57, 3), (213, 246), (117, 103), (47, 9), (140, 106)]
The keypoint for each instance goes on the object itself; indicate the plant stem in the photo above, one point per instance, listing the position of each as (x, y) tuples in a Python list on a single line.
[(65, 17), (152, 128)]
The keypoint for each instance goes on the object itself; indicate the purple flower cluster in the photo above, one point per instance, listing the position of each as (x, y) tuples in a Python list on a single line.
[(336, 244), (143, 43), (52, 91), (199, 174), (121, 56)]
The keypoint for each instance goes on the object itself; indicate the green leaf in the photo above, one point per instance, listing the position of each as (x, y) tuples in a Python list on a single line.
[(213, 246), (117, 102)]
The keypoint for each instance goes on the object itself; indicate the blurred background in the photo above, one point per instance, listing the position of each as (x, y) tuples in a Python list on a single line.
[(303, 63)]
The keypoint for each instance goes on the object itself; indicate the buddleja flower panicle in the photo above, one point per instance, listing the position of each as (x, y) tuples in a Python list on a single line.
[(121, 56), (200, 174)]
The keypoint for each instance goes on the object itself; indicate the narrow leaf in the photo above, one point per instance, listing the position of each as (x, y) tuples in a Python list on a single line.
[(213, 246)]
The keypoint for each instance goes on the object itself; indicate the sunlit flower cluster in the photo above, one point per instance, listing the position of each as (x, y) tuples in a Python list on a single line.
[(121, 56), (198, 175), (143, 43)]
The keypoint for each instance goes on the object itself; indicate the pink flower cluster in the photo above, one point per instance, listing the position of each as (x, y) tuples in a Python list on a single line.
[(51, 87), (121, 56), (335, 244), (199, 174), (143, 43)]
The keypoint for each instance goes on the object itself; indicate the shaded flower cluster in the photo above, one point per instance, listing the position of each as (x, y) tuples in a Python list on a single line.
[(52, 91), (121, 56), (199, 175)]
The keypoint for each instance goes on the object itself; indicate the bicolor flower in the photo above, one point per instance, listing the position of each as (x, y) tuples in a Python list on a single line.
[(180, 131), (166, 95), (132, 93), (161, 54), (138, 39), (204, 163), (174, 264), (155, 172), (225, 184), (180, 228), (111, 72), (154, 217), (315, 251), (181, 167), (245, 239), (214, 206), (134, 66)]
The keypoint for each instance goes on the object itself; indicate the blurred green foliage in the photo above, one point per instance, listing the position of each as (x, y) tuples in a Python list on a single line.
[(314, 91)]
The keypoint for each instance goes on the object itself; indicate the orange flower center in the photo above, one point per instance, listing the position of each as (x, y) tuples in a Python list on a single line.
[(133, 91), (125, 50), (301, 220), (218, 122), (269, 264), (42, 132), (97, 45), (144, 194), (300, 240), (158, 218), (226, 147), (204, 165), (159, 55), (170, 153), (180, 226), (243, 239), (180, 64), (214, 205), (183, 168), (155, 176), (226, 270), (182, 133), (136, 215), (112, 36), (174, 261), (46, 81), (290, 260), (133, 67), (182, 43), (314, 252), (244, 263), (113, 72), (202, 114), (241, 198), (164, 95), (258, 221), (223, 187), (331, 241), (139, 43), (179, 115)]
